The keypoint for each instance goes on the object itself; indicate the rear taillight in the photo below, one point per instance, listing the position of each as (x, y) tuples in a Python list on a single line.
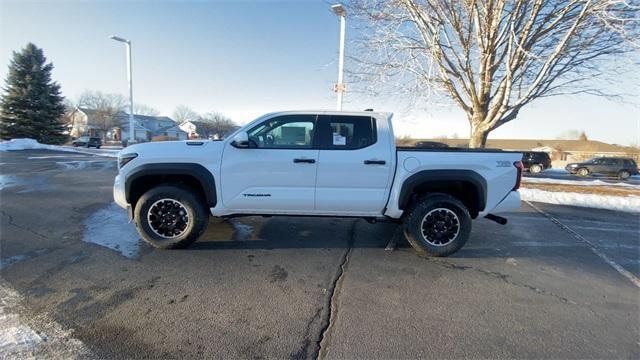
[(519, 168)]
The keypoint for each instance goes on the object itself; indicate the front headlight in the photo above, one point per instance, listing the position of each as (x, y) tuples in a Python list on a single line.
[(125, 158)]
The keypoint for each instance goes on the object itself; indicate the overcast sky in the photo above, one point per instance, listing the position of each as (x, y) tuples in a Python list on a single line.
[(251, 57)]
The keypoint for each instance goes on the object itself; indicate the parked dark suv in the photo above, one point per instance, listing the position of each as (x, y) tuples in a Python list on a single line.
[(623, 168), (536, 161), (88, 142)]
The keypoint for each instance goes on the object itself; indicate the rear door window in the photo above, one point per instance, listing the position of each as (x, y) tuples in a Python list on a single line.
[(341, 132)]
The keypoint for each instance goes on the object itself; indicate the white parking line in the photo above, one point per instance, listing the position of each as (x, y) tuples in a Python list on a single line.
[(634, 279), (606, 229)]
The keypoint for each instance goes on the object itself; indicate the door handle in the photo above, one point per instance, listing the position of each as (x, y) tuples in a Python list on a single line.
[(374, 162), (309, 161)]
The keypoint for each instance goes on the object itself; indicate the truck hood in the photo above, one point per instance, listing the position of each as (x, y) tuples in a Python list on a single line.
[(190, 151)]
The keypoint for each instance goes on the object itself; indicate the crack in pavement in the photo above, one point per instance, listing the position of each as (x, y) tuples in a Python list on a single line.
[(11, 222), (500, 276), (331, 306)]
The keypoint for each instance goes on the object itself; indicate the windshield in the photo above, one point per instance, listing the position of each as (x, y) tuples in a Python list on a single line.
[(256, 120)]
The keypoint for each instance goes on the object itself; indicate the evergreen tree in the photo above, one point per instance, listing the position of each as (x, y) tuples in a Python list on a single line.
[(31, 106)]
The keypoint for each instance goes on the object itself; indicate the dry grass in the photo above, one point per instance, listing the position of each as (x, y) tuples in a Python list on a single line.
[(596, 190)]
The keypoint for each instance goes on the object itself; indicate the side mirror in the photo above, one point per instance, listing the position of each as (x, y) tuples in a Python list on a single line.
[(241, 140)]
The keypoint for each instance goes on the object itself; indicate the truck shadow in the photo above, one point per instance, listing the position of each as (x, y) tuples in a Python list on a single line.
[(488, 240), (293, 232)]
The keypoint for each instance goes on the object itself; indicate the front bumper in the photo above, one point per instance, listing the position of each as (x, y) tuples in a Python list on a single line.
[(119, 194)]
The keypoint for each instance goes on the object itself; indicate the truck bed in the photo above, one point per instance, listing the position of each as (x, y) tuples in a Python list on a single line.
[(452, 149)]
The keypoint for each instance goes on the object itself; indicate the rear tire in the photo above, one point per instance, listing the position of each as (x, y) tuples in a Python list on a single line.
[(535, 169), (584, 172), (437, 225), (170, 217), (624, 175)]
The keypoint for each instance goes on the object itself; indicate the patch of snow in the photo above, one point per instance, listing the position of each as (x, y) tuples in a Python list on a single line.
[(242, 231), (83, 164), (19, 341), (576, 182), (110, 227), (57, 157), (29, 144), (21, 144), (31, 184), (21, 257), (7, 181), (620, 203)]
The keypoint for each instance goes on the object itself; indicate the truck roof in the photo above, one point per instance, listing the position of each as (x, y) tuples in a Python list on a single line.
[(333, 112)]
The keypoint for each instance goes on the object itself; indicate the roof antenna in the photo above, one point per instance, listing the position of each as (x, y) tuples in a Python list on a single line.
[(368, 109)]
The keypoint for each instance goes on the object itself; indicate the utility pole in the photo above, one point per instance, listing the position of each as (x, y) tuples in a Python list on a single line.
[(340, 87), (132, 131)]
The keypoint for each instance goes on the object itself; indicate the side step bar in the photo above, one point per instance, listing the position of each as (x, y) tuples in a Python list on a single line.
[(499, 219)]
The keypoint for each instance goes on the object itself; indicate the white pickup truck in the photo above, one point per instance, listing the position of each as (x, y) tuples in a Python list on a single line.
[(315, 163)]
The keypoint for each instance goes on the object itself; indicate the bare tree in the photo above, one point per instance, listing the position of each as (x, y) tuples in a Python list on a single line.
[(491, 57), (183, 113), (142, 109), (105, 108), (212, 124)]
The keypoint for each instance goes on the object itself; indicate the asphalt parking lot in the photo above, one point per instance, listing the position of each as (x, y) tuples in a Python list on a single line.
[(556, 282)]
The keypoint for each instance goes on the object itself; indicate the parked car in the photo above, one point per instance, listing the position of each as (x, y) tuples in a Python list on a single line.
[(536, 161), (86, 141), (341, 164), (623, 168)]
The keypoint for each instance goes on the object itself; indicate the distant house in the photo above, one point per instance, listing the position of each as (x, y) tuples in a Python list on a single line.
[(116, 128), (86, 122), (147, 128), (561, 151), (190, 128)]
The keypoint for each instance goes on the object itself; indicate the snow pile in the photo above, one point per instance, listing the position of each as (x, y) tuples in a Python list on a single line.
[(620, 203), (110, 227), (575, 182), (21, 144), (20, 341), (31, 144)]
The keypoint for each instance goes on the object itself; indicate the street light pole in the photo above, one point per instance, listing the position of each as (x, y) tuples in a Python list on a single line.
[(340, 87), (132, 132)]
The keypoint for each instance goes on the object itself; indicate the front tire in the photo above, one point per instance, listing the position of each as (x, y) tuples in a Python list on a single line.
[(437, 225), (584, 172), (535, 169), (170, 217)]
